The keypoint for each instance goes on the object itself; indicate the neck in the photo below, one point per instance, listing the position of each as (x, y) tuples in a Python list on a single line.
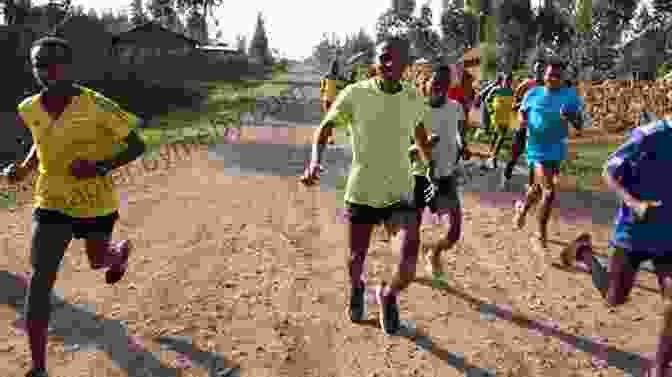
[(390, 86)]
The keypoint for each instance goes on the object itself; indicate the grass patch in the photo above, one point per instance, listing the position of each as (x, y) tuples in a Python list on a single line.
[(586, 167), (224, 102)]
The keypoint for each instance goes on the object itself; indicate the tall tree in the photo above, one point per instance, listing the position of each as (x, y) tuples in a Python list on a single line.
[(16, 11), (241, 43), (458, 28), (204, 8), (138, 14), (259, 46)]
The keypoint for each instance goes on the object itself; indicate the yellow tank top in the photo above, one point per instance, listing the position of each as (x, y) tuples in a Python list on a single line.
[(328, 90), (91, 127)]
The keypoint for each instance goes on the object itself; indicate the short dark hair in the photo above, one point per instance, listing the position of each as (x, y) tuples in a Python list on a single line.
[(504, 76), (397, 42), (49, 41), (443, 71)]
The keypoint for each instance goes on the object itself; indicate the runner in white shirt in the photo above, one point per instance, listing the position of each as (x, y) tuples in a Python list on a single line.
[(445, 120)]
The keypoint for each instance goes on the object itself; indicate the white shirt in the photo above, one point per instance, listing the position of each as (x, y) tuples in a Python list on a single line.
[(443, 122)]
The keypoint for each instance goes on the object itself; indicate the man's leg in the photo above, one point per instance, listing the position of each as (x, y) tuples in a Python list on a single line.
[(547, 173), (361, 220), (449, 210), (664, 351), (409, 236), (614, 282), (532, 197), (517, 148), (51, 236), (101, 251)]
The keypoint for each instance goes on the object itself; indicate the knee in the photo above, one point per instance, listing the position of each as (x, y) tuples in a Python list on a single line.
[(96, 251), (548, 192)]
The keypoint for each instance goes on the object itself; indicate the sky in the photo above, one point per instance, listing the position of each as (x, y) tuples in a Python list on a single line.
[(293, 27)]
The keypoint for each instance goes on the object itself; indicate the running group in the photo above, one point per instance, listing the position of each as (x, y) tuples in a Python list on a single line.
[(406, 150)]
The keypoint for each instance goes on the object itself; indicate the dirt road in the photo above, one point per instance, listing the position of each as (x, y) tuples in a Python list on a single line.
[(245, 272)]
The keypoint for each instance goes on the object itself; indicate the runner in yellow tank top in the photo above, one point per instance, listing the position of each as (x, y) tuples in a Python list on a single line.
[(79, 137)]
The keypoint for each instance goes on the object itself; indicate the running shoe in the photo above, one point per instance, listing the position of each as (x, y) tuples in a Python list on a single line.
[(600, 276), (389, 312), (116, 272), (37, 373), (358, 300)]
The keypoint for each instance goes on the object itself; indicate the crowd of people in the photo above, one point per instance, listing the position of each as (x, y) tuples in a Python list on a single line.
[(387, 186), (406, 148)]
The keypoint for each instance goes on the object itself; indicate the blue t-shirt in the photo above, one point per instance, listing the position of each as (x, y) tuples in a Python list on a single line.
[(641, 165), (547, 133)]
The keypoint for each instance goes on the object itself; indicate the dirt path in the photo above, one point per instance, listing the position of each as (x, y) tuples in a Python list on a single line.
[(247, 272)]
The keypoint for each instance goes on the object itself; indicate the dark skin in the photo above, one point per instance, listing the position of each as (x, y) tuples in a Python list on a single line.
[(50, 69), (547, 177), (392, 64), (393, 61)]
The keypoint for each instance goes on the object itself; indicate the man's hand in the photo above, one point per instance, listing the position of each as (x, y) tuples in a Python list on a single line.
[(83, 169), (15, 173), (431, 191), (312, 173), (641, 209)]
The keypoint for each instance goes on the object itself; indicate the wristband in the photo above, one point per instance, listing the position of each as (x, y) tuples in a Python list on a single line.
[(103, 168)]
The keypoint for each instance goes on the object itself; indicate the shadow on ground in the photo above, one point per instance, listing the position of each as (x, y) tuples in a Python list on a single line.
[(630, 363), (79, 329), (290, 160)]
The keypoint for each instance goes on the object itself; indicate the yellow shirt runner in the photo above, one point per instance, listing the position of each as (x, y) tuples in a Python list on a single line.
[(92, 127), (380, 126)]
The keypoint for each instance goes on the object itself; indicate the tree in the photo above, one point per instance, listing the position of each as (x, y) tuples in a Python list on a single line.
[(16, 11), (458, 28), (138, 15), (326, 51), (259, 46), (202, 8), (241, 43), (196, 26)]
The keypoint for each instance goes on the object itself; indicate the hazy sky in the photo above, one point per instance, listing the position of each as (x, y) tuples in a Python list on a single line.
[(293, 26)]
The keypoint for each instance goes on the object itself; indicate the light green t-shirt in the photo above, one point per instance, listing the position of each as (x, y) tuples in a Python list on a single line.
[(380, 126)]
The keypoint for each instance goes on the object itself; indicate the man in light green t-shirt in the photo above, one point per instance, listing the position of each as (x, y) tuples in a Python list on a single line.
[(382, 115)]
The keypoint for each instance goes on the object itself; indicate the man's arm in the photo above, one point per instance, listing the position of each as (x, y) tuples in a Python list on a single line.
[(30, 161), (341, 106), (617, 165), (135, 148), (423, 142)]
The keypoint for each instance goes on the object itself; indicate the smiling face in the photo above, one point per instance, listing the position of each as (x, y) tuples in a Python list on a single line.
[(393, 59), (553, 76)]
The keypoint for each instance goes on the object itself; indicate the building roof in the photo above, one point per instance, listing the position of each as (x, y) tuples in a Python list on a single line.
[(127, 35)]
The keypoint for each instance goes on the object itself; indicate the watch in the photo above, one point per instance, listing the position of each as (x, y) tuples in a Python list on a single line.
[(103, 168)]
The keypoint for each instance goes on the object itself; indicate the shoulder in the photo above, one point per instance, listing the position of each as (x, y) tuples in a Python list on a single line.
[(101, 101), (28, 102)]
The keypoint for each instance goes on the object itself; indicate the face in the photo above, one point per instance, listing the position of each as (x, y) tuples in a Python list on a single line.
[(539, 71), (392, 62), (553, 77), (49, 65), (439, 84)]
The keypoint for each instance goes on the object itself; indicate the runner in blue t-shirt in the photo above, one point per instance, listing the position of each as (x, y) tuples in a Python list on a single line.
[(641, 227), (546, 113)]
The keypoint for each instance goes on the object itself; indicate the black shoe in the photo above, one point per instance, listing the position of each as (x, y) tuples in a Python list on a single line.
[(389, 314), (358, 312), (600, 276), (37, 373)]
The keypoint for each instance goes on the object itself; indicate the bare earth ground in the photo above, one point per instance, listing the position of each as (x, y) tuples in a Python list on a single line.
[(252, 270)]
